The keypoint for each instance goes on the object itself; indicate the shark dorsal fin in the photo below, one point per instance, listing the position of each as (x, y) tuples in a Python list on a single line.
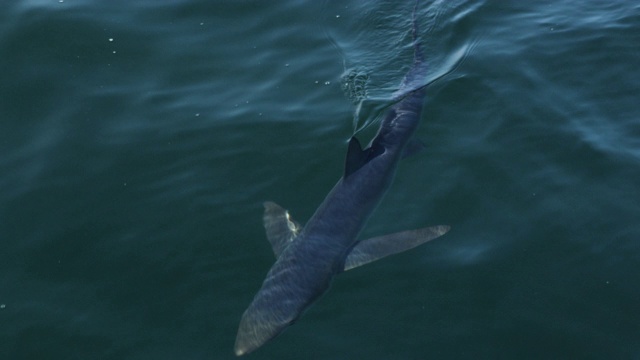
[(280, 227), (356, 157)]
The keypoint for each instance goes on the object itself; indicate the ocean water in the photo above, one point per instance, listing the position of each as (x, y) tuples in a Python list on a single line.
[(139, 139)]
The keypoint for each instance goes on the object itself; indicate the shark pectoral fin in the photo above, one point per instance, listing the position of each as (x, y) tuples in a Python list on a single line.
[(413, 147), (376, 248), (280, 227)]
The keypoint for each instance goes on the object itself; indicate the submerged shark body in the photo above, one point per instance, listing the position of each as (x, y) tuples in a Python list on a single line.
[(308, 258)]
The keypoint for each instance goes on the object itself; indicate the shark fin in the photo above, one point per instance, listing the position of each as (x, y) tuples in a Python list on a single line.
[(356, 157), (280, 227), (378, 247), (413, 147)]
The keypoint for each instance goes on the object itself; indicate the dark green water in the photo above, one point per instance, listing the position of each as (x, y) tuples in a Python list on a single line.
[(139, 139)]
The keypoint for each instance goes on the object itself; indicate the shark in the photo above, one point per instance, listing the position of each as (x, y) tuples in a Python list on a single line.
[(308, 258)]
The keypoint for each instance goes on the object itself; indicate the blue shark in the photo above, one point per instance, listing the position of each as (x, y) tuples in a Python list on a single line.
[(309, 257)]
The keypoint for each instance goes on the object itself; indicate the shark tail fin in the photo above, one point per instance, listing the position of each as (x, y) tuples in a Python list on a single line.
[(378, 247), (281, 229)]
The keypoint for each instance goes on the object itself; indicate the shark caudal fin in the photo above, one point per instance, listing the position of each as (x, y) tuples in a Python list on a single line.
[(378, 247), (280, 227)]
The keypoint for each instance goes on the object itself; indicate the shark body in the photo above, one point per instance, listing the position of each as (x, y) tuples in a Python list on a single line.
[(309, 258)]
